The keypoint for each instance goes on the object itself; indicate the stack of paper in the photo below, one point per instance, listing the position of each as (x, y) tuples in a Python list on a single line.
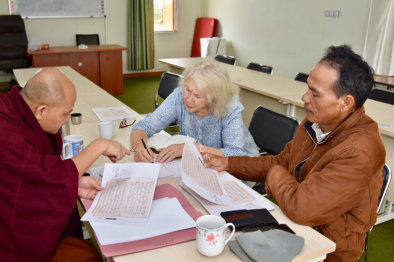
[(216, 192), (113, 113), (167, 215), (128, 194), (125, 211), (204, 181), (242, 197), (169, 169)]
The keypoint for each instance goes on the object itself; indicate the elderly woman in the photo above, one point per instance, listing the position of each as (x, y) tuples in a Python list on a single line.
[(207, 109)]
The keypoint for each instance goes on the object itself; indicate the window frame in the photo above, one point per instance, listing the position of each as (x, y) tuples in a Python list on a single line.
[(175, 20)]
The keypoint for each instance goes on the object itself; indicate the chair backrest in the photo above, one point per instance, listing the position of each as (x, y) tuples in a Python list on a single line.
[(225, 59), (382, 96), (168, 83), (92, 39), (385, 185), (13, 43), (262, 68), (271, 131), (301, 77)]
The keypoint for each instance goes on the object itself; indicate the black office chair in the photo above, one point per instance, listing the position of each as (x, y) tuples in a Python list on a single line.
[(382, 96), (168, 83), (261, 68), (385, 186), (13, 44), (271, 132), (92, 39), (225, 59), (301, 77)]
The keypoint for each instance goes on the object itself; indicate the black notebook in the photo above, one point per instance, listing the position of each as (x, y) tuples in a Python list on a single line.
[(249, 218)]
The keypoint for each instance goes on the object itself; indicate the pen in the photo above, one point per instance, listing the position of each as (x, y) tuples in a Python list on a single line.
[(201, 160), (143, 143)]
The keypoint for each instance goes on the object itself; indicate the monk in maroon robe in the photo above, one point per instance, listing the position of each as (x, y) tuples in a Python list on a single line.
[(38, 189)]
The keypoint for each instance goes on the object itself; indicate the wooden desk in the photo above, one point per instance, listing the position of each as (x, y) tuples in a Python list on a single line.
[(88, 96), (386, 80), (102, 64), (272, 91)]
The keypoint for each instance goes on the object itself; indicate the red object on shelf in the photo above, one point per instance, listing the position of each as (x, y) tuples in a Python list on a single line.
[(205, 27), (45, 47)]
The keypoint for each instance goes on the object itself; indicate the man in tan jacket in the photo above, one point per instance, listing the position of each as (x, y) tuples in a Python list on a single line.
[(330, 175)]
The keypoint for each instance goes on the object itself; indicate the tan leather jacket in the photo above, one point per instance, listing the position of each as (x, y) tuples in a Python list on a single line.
[(332, 185)]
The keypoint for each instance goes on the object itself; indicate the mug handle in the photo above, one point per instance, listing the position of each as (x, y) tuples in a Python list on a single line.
[(67, 150), (232, 233)]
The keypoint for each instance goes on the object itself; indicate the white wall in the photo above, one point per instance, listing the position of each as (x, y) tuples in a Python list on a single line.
[(289, 35), (113, 29)]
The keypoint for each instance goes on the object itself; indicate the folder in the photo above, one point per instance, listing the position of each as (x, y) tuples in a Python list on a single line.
[(165, 190)]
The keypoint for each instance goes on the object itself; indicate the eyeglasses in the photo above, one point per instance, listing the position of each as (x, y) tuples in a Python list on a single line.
[(124, 123)]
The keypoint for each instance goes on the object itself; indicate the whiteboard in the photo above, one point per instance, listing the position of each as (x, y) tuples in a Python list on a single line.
[(57, 8)]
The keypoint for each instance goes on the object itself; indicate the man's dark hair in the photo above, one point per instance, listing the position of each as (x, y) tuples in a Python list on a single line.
[(355, 75)]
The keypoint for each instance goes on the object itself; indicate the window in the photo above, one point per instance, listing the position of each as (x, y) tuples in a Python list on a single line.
[(165, 15)]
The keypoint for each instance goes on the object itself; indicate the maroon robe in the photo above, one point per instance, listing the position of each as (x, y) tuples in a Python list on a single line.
[(38, 190)]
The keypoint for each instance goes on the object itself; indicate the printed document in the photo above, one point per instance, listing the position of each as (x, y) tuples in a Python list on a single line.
[(128, 193), (113, 113), (204, 181), (171, 169), (241, 196), (167, 216), (97, 171)]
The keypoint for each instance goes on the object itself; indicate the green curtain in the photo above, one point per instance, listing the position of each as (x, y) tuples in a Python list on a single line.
[(140, 36)]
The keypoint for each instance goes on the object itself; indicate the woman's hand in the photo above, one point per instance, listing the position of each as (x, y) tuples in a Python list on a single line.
[(170, 153), (142, 154)]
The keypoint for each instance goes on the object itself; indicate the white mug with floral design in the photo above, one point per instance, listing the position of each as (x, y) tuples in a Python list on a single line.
[(211, 234)]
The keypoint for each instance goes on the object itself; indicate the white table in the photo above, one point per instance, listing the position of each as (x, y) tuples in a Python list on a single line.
[(89, 96)]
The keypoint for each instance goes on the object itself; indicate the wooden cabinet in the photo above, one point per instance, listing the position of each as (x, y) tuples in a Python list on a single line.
[(102, 64)]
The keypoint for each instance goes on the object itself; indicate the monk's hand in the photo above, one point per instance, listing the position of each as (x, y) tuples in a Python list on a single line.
[(218, 163), (170, 153), (114, 150), (88, 187)]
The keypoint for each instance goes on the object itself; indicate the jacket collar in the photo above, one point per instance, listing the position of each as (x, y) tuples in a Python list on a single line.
[(349, 121)]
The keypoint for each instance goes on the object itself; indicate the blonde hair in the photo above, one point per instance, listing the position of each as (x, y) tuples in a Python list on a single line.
[(213, 80)]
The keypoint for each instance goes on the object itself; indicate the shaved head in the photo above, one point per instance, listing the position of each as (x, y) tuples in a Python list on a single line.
[(51, 97), (48, 86)]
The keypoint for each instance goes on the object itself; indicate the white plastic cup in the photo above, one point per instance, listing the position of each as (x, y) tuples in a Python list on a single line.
[(107, 129)]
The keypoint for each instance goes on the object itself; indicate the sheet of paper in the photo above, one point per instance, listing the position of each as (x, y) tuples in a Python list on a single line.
[(171, 169), (167, 215), (204, 181), (163, 140), (113, 113), (128, 194), (97, 171), (242, 197)]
